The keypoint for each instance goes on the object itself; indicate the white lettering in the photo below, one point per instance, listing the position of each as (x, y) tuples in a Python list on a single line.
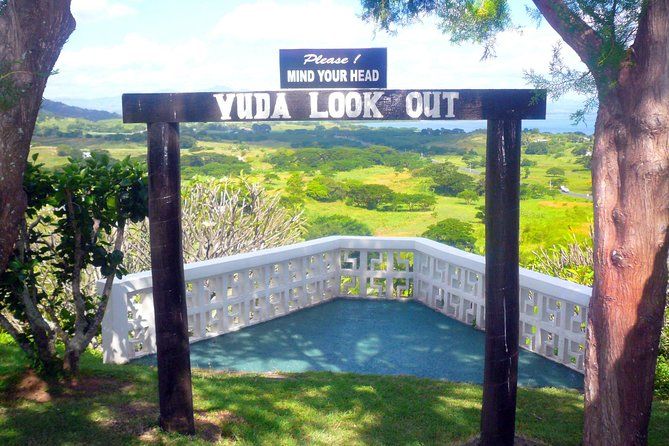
[(369, 104), (225, 104), (414, 111), (319, 59), (315, 114), (281, 107), (432, 104), (300, 75), (451, 97), (336, 105), (245, 105), (353, 105), (262, 105)]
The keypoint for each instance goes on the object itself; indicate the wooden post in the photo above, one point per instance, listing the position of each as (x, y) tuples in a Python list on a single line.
[(169, 290), (502, 203)]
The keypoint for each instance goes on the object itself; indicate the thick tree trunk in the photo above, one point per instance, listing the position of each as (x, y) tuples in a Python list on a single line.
[(32, 33), (631, 191)]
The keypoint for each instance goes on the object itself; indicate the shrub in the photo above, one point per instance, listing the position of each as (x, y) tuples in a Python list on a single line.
[(452, 232), (326, 225), (537, 148), (368, 196), (555, 172), (323, 188), (529, 191), (212, 164), (73, 230), (446, 180), (572, 262), (468, 196), (71, 152)]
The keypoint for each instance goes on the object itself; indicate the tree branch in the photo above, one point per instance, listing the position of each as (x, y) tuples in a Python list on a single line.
[(7, 325), (109, 281), (573, 30), (79, 303)]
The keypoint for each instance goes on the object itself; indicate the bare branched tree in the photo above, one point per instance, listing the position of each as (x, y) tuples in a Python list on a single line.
[(222, 218)]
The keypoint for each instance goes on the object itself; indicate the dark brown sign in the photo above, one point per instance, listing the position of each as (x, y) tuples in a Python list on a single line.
[(318, 105)]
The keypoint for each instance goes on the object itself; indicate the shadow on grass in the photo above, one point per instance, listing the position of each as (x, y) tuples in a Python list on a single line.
[(320, 408)]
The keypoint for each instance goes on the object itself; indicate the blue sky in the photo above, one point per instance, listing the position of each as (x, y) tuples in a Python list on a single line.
[(171, 45)]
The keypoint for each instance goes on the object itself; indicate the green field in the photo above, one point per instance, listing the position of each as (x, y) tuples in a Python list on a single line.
[(545, 222)]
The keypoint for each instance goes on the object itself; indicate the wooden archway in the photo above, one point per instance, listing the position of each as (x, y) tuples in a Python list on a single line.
[(504, 111)]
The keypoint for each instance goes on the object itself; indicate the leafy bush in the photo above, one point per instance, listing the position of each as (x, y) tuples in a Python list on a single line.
[(368, 196), (323, 188), (537, 148), (468, 196), (73, 230), (529, 191), (452, 232), (326, 225), (447, 180), (662, 370), (68, 151), (342, 159), (215, 165), (662, 376), (572, 262)]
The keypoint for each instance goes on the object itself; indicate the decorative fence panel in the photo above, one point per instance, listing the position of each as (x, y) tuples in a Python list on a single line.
[(227, 294)]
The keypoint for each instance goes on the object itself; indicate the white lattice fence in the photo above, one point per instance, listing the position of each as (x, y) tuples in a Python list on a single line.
[(224, 295)]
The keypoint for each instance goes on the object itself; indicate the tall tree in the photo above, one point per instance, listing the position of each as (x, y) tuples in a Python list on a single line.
[(32, 33), (625, 46)]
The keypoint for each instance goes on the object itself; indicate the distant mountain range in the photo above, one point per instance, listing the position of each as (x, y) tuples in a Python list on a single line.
[(68, 111)]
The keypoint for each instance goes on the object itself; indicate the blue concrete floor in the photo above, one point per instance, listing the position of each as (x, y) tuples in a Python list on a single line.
[(364, 336)]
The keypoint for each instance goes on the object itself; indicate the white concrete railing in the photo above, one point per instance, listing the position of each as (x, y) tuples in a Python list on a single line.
[(229, 293)]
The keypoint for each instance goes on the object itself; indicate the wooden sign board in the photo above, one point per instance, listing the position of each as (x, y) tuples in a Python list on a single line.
[(334, 68), (319, 105)]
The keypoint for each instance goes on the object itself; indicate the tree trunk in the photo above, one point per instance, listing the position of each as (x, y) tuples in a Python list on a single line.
[(32, 34), (71, 362), (630, 170)]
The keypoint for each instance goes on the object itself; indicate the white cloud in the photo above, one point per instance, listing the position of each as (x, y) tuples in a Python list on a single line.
[(241, 51), (313, 23), (93, 10)]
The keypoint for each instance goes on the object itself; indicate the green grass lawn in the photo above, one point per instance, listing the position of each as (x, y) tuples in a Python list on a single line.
[(118, 405)]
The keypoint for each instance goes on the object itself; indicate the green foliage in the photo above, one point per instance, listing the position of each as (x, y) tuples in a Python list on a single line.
[(212, 164), (187, 142), (480, 214), (452, 232), (294, 193), (662, 370), (368, 196), (555, 172), (446, 179), (468, 196), (342, 159), (463, 20), (530, 191), (9, 92), (67, 151), (537, 148), (605, 28), (326, 225), (572, 262), (73, 214), (323, 188)]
